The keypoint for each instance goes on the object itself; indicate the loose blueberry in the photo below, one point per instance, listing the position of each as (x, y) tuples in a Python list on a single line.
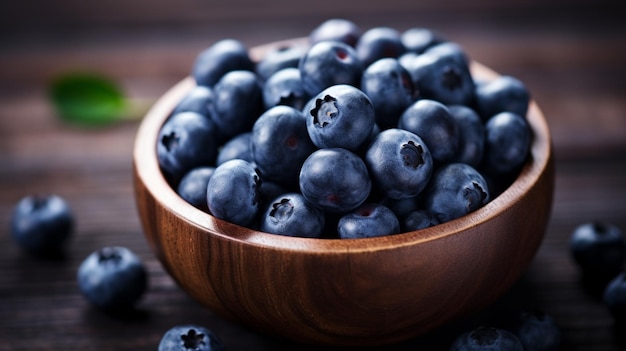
[(337, 29), (432, 121), (503, 94), (329, 63), (538, 331), (239, 147), (42, 224), (487, 339), (292, 215), (455, 190), (335, 180), (399, 162), (277, 59), (285, 88), (471, 135), (187, 140), (377, 43), (614, 297), (112, 278), (280, 143), (192, 187), (233, 192), (190, 338), (342, 116), (220, 58), (599, 249), (368, 221), (507, 143), (388, 85)]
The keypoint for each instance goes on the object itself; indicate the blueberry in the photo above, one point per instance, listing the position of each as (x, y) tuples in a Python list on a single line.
[(502, 94), (455, 190), (614, 297), (418, 40), (538, 331), (220, 58), (238, 102), (399, 163), (471, 136), (487, 339), (337, 29), (342, 116), (239, 147), (419, 219), (599, 249), (280, 143), (402, 207), (292, 215), (42, 224), (233, 192), (329, 63), (507, 143), (187, 140), (432, 121), (442, 74), (193, 185), (277, 59), (285, 88), (335, 180), (112, 278), (368, 221), (377, 43), (388, 85), (190, 338), (199, 99)]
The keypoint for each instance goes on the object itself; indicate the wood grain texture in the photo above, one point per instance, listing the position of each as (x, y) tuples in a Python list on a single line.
[(366, 292)]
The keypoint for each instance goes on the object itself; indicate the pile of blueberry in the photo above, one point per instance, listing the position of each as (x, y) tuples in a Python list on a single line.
[(358, 134)]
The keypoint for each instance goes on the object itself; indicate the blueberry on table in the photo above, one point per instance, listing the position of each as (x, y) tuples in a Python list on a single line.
[(367, 221), (337, 29), (377, 43), (193, 185), (280, 143), (335, 180), (599, 249), (292, 215), (432, 121), (42, 224), (233, 192), (455, 190), (112, 278), (487, 339), (187, 140), (614, 297), (502, 94), (399, 163), (329, 63), (341, 116), (190, 338), (220, 58), (507, 143), (388, 85), (538, 331)]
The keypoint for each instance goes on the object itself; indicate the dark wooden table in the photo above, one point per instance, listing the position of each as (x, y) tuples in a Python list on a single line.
[(570, 55)]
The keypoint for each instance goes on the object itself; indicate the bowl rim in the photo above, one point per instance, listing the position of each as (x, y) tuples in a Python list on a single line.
[(147, 171)]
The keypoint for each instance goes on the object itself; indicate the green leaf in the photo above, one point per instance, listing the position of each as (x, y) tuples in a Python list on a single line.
[(88, 99)]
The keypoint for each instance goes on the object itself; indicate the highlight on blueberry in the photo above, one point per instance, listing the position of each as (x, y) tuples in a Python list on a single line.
[(190, 338)]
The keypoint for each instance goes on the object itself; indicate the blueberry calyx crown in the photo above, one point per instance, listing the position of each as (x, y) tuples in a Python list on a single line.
[(192, 339), (281, 209), (484, 336), (109, 254), (412, 154), (325, 110), (170, 141)]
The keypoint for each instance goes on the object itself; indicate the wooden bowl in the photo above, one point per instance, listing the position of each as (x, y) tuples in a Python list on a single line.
[(361, 292)]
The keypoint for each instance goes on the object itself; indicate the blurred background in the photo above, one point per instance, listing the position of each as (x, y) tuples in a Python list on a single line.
[(571, 54)]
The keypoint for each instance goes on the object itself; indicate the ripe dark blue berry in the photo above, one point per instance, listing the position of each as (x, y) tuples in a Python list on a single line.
[(502, 94), (367, 221), (285, 88), (418, 40), (277, 59), (112, 278), (199, 99), (329, 63), (507, 143), (614, 297), (193, 185), (238, 147), (42, 224), (538, 331), (338, 29), (220, 58), (419, 219), (471, 135), (292, 215), (487, 339), (377, 43), (190, 338), (599, 249)]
